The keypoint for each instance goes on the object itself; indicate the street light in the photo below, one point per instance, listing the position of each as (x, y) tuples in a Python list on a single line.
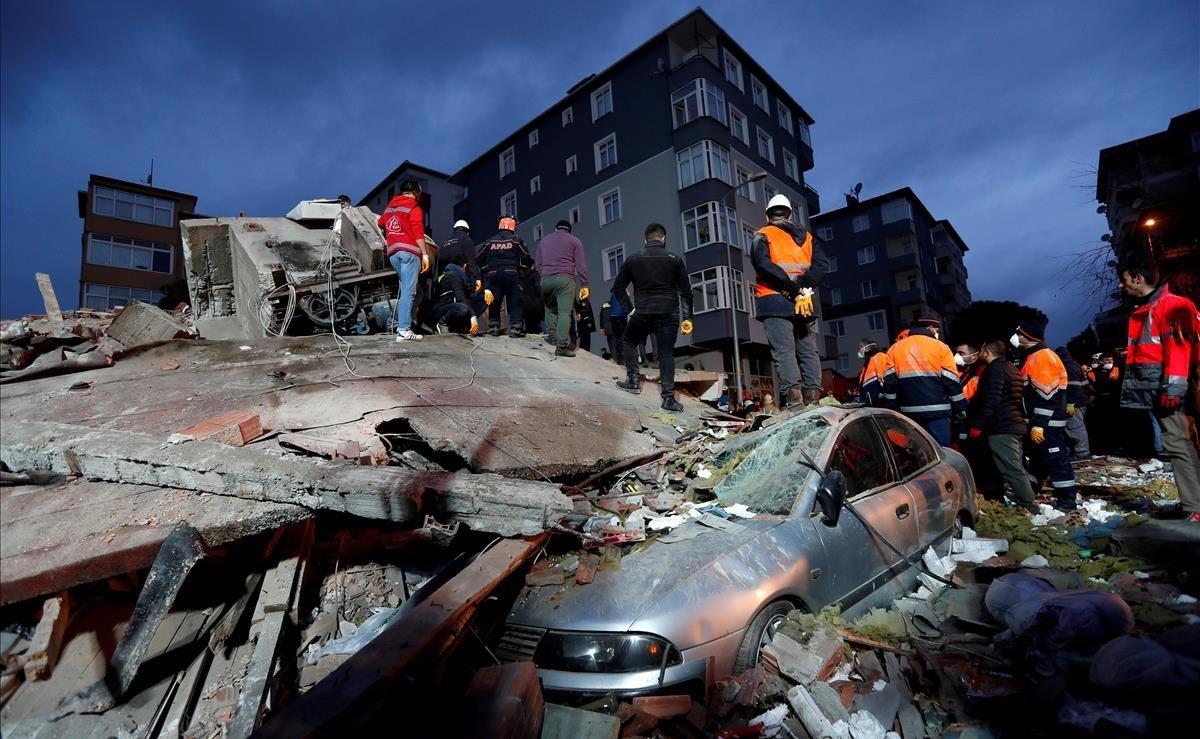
[(737, 350), (1148, 224)]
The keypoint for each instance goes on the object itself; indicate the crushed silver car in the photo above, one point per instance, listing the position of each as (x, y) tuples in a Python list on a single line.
[(676, 616)]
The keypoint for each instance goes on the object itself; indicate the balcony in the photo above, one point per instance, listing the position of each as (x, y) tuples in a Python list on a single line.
[(904, 261), (899, 228), (903, 297)]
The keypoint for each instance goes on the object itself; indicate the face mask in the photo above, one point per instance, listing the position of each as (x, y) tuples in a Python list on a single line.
[(958, 360), (1108, 365), (1015, 341)]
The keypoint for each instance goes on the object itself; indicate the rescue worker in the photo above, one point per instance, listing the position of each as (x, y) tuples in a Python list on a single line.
[(403, 224), (585, 323), (660, 282), (1077, 400), (923, 382), (1105, 378), (875, 366), (788, 265), (966, 358), (501, 260), (461, 243), (1163, 337), (1045, 380), (452, 310), (562, 266), (612, 327), (343, 204), (1000, 422)]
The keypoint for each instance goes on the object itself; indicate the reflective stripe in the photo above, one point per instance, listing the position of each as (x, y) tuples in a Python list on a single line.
[(794, 266), (957, 398), (917, 373), (1063, 483), (1077, 382), (889, 396), (1058, 423), (1053, 450), (953, 376), (924, 408), (1043, 411)]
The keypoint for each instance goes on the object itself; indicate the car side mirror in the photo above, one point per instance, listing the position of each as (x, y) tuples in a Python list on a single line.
[(831, 496)]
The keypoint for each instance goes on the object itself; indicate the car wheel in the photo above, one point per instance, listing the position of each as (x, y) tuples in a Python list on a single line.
[(759, 634)]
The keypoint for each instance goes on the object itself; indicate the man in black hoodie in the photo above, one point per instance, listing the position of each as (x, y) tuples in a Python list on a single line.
[(461, 243), (452, 303), (1000, 419)]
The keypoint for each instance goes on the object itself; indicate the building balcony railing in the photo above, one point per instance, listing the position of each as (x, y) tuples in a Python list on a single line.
[(904, 261), (905, 297), (899, 228)]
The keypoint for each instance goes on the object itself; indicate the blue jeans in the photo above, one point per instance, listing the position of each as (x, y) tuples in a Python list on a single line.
[(408, 266)]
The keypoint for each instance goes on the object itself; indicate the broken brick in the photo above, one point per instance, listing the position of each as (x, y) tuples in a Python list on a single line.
[(587, 569), (235, 428), (664, 706)]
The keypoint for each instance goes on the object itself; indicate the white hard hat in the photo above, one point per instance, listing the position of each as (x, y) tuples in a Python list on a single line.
[(462, 224), (779, 201)]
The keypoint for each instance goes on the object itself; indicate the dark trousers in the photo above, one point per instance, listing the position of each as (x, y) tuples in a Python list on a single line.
[(663, 326), (938, 428), (1010, 463), (1052, 458), (456, 316), (616, 338), (506, 288)]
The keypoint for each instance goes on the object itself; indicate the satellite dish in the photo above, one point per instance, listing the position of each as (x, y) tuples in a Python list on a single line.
[(1106, 237), (858, 189)]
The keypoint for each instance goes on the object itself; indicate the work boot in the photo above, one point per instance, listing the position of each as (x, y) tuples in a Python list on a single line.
[(630, 386), (442, 328), (793, 397), (670, 404), (494, 331), (812, 395), (517, 332), (563, 351)]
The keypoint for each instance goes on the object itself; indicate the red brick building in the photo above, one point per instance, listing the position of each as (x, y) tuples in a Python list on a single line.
[(131, 245)]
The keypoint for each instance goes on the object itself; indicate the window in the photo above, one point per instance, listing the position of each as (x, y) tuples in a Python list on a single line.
[(791, 167), (701, 161), (768, 192), (825, 233), (107, 297), (717, 288), (805, 136), (842, 363), (533, 138), (869, 288), (766, 146), (116, 251), (606, 152), (733, 70), (835, 296), (862, 223), (708, 223), (508, 162), (614, 257), (833, 265), (738, 125), (610, 207), (573, 216), (572, 164), (748, 237), (696, 98), (508, 204), (739, 290), (859, 456), (602, 102), (912, 452), (876, 321), (745, 186), (568, 116), (866, 254), (758, 91), (896, 210), (836, 329), (130, 207), (535, 185), (785, 117), (538, 232)]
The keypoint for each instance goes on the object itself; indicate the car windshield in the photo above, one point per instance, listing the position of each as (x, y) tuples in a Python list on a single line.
[(769, 470)]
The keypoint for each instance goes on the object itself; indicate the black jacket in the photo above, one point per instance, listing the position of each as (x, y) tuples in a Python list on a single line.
[(460, 243), (1000, 400), (1077, 384), (782, 304), (659, 280), (452, 287), (587, 320), (503, 252)]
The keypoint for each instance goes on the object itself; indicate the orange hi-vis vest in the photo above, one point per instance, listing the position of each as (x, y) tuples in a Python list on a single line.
[(970, 380), (793, 258), (1045, 388)]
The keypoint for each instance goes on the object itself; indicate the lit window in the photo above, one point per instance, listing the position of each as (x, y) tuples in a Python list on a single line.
[(862, 223), (508, 204), (825, 233), (835, 329), (535, 185), (130, 207), (866, 254), (508, 162), (745, 186), (610, 207), (733, 70), (785, 117), (869, 288), (696, 98), (572, 164), (602, 102), (759, 92), (835, 296), (568, 116), (606, 152), (896, 210), (533, 138), (108, 297), (738, 125), (708, 223), (876, 321), (766, 146), (116, 251), (833, 265), (701, 161), (614, 257)]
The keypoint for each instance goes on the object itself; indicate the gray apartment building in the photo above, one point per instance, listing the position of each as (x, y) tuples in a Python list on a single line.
[(891, 262), (686, 130), (439, 196)]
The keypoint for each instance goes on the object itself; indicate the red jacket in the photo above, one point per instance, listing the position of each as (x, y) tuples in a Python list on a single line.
[(1162, 346), (403, 225)]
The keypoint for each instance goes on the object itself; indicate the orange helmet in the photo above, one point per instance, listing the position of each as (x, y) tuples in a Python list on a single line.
[(508, 223)]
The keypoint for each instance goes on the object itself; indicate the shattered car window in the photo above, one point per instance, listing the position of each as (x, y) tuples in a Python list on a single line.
[(768, 474)]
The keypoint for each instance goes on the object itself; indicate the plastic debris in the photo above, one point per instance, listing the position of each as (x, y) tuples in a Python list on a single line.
[(1035, 560), (740, 510), (772, 720)]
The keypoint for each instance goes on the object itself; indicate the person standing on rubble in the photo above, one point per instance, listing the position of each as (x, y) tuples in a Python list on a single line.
[(998, 421), (1045, 379), (461, 244), (1164, 333), (502, 259), (1077, 398), (585, 323), (660, 282), (875, 367), (403, 224), (923, 382), (452, 299), (789, 264), (966, 358), (562, 266)]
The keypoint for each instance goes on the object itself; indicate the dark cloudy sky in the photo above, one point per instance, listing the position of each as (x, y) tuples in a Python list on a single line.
[(993, 112)]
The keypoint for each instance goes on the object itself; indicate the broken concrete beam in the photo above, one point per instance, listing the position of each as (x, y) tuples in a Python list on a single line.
[(141, 323), (804, 663), (506, 702), (810, 715), (236, 428), (49, 299), (485, 502), (46, 644)]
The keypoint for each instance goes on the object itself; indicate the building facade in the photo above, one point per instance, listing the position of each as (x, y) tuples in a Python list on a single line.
[(688, 131), (439, 196), (891, 262), (131, 244)]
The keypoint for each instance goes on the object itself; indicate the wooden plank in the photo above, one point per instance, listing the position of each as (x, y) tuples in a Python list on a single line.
[(506, 702), (425, 632), (49, 299), (47, 639)]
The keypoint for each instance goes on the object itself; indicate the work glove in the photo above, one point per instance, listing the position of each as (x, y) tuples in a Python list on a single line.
[(424, 263), (474, 325), (478, 285), (685, 327), (804, 302), (584, 293), (975, 433), (1169, 402), (488, 297), (1038, 434), (1070, 409)]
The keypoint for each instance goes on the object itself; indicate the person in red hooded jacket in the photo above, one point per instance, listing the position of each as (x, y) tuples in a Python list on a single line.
[(403, 224)]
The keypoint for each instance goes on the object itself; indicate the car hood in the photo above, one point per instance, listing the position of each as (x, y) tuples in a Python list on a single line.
[(617, 598)]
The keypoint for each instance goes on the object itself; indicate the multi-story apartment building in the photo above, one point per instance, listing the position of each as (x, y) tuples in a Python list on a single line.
[(891, 262), (438, 196), (686, 130), (131, 244)]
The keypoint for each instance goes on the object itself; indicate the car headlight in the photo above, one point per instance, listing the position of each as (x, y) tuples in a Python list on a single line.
[(574, 651)]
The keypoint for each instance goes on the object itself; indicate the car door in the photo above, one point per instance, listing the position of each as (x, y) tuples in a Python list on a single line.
[(858, 563), (918, 467)]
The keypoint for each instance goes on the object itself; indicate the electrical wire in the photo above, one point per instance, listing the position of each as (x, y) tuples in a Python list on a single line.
[(919, 564)]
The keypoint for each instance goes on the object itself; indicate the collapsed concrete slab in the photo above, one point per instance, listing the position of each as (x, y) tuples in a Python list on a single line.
[(140, 323)]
